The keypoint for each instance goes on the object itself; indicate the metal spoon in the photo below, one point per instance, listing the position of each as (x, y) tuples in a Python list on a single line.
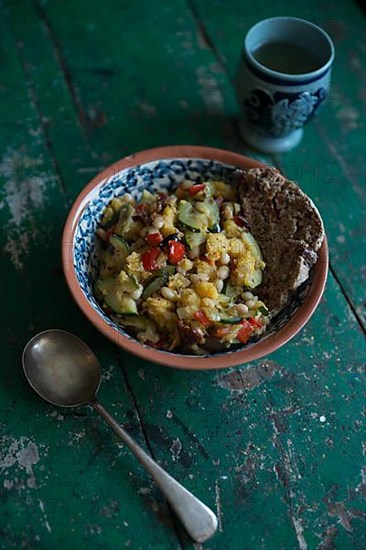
[(65, 372)]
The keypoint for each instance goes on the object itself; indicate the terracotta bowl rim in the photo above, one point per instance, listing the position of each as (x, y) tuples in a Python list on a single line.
[(169, 359)]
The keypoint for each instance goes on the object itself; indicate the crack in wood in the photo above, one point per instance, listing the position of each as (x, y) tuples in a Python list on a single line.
[(191, 436), (218, 505), (206, 39), (34, 101), (134, 403), (173, 518), (340, 160), (81, 114), (283, 473), (352, 306)]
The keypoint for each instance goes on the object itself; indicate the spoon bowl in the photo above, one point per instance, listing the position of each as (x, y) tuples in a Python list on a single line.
[(61, 368)]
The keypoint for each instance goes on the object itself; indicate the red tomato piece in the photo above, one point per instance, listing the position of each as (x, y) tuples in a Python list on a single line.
[(256, 323), (176, 253), (154, 238), (149, 258), (202, 318), (194, 189), (245, 332)]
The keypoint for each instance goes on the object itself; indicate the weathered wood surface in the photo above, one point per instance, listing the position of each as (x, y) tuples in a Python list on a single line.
[(275, 447)]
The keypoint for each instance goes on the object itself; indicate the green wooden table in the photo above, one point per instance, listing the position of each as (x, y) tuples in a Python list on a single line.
[(274, 447)]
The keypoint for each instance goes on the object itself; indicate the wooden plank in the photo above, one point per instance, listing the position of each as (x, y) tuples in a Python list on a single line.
[(329, 163), (224, 429), (64, 466)]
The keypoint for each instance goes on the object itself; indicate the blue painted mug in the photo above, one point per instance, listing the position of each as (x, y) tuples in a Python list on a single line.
[(283, 78)]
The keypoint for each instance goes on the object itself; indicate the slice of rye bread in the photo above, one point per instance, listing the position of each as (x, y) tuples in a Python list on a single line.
[(288, 229)]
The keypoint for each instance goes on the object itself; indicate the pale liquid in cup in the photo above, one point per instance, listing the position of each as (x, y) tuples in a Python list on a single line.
[(286, 58)]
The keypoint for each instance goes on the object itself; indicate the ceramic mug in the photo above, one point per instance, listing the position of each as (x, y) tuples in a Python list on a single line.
[(283, 78)]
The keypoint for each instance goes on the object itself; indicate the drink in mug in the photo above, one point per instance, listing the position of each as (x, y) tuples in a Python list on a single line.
[(283, 78)]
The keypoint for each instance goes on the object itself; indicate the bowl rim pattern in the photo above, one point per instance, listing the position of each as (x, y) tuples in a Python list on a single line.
[(169, 359)]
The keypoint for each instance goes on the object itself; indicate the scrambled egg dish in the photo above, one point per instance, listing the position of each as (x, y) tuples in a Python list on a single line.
[(177, 271)]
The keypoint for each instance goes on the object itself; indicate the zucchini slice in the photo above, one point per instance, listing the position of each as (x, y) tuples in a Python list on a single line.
[(121, 304), (169, 270), (112, 220), (229, 289), (114, 285), (263, 310), (213, 216), (190, 217), (231, 320), (106, 285), (120, 245), (195, 239), (137, 322), (154, 283), (125, 219), (110, 263), (157, 280), (256, 278), (252, 244)]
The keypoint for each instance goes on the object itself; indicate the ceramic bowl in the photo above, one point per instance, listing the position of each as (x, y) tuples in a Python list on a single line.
[(163, 169)]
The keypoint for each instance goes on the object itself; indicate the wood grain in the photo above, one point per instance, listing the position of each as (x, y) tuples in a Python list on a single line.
[(274, 447)]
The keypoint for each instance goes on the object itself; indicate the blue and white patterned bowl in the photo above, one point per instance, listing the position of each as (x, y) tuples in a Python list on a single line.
[(163, 169)]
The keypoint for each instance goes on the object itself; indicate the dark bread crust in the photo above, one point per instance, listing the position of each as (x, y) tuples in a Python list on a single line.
[(288, 229)]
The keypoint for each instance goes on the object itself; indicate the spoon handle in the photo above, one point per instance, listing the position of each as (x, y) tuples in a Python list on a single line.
[(199, 521)]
